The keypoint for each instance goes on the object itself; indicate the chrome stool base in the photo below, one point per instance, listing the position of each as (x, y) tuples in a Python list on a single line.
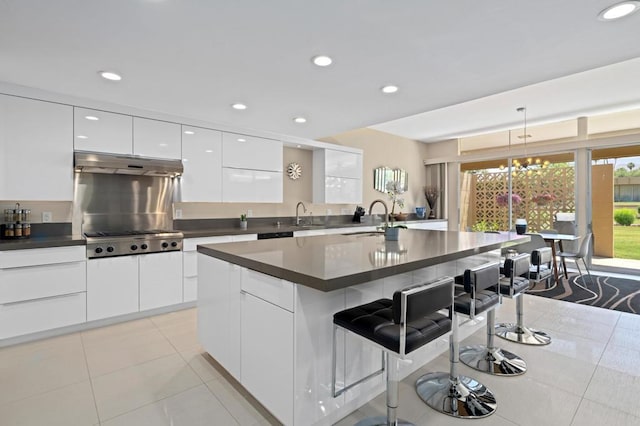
[(528, 336), (382, 421), (463, 397), (497, 362)]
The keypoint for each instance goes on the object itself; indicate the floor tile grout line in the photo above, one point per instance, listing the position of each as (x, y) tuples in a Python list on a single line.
[(93, 393), (220, 401), (613, 408), (150, 403), (133, 365)]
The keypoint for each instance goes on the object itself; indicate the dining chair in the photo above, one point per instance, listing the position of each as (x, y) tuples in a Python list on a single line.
[(582, 253)]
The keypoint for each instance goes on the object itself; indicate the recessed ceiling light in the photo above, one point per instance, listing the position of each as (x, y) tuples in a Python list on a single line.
[(238, 106), (110, 75), (163, 144), (619, 10), (389, 89), (298, 146), (299, 120), (208, 150), (241, 140), (189, 132), (82, 137), (322, 60), (92, 117)]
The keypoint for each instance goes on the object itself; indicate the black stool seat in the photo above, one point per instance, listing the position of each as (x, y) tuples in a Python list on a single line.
[(484, 299), (375, 322), (519, 285)]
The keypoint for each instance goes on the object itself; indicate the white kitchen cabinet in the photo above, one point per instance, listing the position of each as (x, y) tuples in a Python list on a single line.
[(267, 355), (157, 139), (337, 177), (36, 150), (219, 311), (250, 152), (112, 287), (343, 164), (160, 279), (247, 186), (101, 131), (41, 289), (190, 264), (202, 159)]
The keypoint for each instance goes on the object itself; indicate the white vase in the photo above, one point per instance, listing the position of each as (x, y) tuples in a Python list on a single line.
[(243, 224)]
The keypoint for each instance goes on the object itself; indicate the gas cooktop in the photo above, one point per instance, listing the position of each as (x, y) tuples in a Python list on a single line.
[(122, 243)]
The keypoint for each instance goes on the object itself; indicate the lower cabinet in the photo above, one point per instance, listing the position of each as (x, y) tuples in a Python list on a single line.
[(112, 287), (41, 289), (267, 360), (126, 284), (160, 279)]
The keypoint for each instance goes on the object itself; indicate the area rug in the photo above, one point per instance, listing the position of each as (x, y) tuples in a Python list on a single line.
[(619, 294)]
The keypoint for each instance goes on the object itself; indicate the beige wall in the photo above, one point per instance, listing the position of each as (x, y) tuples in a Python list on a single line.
[(61, 210)]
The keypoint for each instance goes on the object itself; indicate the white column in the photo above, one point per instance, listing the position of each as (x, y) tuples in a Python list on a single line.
[(583, 190), (453, 196)]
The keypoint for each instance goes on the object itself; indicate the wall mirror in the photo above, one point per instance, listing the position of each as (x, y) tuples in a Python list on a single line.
[(382, 175)]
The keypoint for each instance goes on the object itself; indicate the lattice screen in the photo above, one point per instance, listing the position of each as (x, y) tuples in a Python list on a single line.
[(485, 187)]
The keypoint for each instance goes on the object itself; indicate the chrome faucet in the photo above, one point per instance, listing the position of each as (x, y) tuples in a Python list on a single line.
[(304, 210), (386, 211)]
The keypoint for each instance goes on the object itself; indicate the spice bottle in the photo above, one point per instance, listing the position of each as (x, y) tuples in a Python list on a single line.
[(17, 232), (8, 230), (26, 230)]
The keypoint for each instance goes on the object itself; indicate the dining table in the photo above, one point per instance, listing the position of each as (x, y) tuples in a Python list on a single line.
[(551, 239)]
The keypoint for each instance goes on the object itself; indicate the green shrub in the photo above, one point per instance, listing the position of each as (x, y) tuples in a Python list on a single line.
[(624, 217), (483, 226), (638, 210)]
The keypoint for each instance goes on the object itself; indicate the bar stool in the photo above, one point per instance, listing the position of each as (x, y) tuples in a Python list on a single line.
[(488, 359), (451, 393), (398, 327), (541, 269), (514, 286)]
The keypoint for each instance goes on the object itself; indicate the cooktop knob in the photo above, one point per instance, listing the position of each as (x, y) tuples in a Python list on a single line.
[(174, 244), (98, 250), (165, 244), (134, 247), (144, 246), (110, 249)]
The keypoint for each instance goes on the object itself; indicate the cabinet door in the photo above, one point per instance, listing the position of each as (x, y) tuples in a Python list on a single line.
[(102, 131), (112, 287), (202, 157), (267, 355), (160, 279), (157, 139), (249, 152), (246, 186), (36, 150), (343, 164), (219, 311), (341, 190)]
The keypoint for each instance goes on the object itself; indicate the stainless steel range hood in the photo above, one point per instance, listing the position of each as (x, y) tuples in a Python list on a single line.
[(98, 162)]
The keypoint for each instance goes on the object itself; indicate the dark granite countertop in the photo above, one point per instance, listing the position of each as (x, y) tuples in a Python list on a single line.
[(260, 228), (42, 242), (331, 262)]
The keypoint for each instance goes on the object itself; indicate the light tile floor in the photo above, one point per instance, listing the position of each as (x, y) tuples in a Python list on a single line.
[(153, 372)]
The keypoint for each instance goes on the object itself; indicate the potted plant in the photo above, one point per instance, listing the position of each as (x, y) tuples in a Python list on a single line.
[(243, 221), (394, 190)]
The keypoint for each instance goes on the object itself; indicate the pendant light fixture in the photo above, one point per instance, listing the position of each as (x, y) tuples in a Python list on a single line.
[(528, 164)]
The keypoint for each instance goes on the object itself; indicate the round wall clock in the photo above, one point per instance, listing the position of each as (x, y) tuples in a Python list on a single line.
[(294, 171)]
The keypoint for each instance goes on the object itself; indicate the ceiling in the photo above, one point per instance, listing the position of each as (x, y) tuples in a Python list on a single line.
[(194, 58)]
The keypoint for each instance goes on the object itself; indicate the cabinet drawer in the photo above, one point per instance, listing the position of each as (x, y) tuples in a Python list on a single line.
[(43, 314), (273, 290), (35, 282), (41, 256)]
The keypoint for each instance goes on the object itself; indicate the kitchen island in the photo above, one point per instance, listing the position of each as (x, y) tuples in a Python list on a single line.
[(265, 310)]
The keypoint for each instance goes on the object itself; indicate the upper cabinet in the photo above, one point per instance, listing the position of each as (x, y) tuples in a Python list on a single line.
[(36, 150), (154, 138), (102, 131), (337, 177), (202, 159), (250, 152), (251, 169)]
